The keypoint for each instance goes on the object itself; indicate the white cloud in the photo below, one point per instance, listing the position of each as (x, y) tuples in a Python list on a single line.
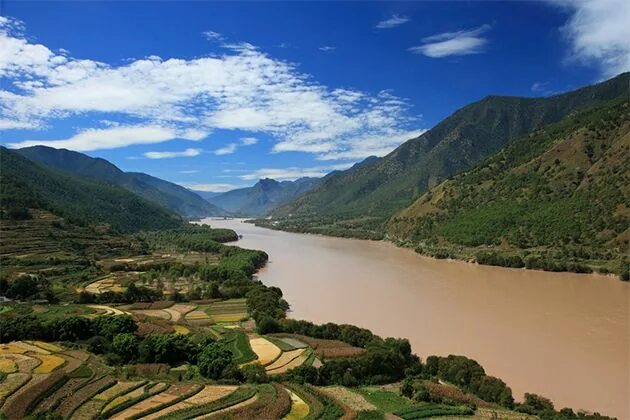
[(208, 187), (392, 22), (327, 48), (7, 124), (189, 172), (231, 147), (170, 155), (113, 137), (213, 36), (292, 173), (249, 141), (599, 33), (243, 89), (226, 150), (463, 42), (363, 147)]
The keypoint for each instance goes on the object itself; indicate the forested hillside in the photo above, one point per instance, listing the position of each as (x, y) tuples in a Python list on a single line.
[(25, 184), (175, 197), (556, 199), (369, 195)]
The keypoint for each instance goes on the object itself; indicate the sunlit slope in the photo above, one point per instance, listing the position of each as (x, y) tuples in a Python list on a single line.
[(565, 187), (381, 187)]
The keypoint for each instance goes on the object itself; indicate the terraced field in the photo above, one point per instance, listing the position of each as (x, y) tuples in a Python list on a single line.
[(287, 360), (265, 350), (231, 310), (324, 349)]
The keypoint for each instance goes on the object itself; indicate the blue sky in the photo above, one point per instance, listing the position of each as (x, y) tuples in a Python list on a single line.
[(217, 95)]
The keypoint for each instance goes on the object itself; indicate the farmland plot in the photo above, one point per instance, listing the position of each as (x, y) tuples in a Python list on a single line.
[(299, 408), (348, 398), (266, 351), (285, 359), (207, 395), (173, 393)]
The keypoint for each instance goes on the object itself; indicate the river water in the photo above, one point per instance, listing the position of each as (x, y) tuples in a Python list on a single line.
[(561, 335)]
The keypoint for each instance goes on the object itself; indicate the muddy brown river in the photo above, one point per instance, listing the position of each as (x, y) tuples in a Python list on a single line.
[(561, 335)]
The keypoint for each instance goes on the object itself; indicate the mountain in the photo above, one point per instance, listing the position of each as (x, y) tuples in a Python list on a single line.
[(378, 189), (83, 201), (206, 195), (177, 198), (265, 195), (558, 198)]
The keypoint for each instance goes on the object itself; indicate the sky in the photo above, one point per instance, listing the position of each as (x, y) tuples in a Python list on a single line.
[(216, 95)]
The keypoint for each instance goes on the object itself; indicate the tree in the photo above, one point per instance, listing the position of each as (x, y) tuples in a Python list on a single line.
[(267, 325), (213, 360), (24, 287), (125, 345), (254, 373)]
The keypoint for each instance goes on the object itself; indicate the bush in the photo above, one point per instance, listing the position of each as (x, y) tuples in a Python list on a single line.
[(213, 360), (254, 373)]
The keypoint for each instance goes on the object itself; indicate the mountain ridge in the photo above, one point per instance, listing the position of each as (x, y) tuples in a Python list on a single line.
[(83, 201), (169, 195), (555, 199), (379, 189), (263, 196)]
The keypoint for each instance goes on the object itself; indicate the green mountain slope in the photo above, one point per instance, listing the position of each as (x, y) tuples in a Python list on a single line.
[(556, 199), (265, 195), (79, 200), (175, 197), (380, 188)]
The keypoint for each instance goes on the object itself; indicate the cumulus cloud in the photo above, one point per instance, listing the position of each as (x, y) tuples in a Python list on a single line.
[(464, 42), (243, 89), (599, 34), (208, 187), (170, 155), (392, 22), (113, 137), (292, 173)]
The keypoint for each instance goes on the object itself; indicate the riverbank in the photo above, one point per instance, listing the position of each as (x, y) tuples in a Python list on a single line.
[(545, 259), (562, 335)]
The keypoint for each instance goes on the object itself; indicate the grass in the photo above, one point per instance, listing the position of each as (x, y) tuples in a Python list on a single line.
[(238, 344), (434, 410), (387, 401), (283, 345), (82, 371)]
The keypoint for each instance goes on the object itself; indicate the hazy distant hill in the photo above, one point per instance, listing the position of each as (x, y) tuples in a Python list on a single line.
[(79, 200), (265, 195), (175, 197), (380, 188), (560, 194)]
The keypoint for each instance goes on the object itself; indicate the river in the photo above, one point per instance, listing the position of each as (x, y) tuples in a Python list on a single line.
[(561, 335)]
